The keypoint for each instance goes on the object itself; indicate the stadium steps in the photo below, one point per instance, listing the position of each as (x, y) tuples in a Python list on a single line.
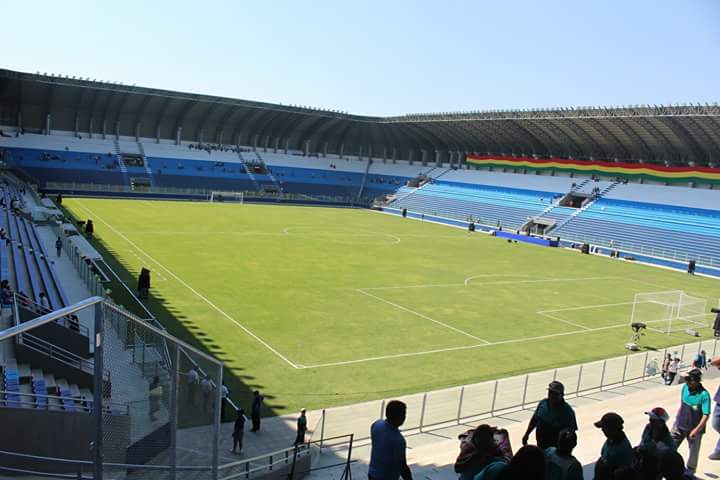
[(247, 170), (146, 163), (121, 164)]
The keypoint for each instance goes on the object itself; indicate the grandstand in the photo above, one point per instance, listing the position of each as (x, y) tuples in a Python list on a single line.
[(641, 182)]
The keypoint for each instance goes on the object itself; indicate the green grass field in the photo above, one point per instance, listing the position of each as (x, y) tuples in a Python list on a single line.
[(319, 307)]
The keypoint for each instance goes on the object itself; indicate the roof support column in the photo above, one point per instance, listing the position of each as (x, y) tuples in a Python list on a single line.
[(90, 127), (370, 152), (287, 145), (277, 144), (360, 153), (325, 145), (384, 154), (157, 134), (201, 135), (306, 148), (47, 124), (255, 143), (394, 155), (137, 132), (178, 135), (438, 158), (19, 121), (77, 126), (410, 156), (266, 143), (424, 155), (104, 131), (342, 150), (117, 130)]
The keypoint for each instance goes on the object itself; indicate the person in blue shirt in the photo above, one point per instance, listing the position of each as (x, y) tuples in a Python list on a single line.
[(715, 362), (616, 451), (551, 416), (693, 415), (387, 454)]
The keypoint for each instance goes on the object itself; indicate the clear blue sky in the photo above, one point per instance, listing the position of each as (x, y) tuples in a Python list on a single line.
[(382, 57)]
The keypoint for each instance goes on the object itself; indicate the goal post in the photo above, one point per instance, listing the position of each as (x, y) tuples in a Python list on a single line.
[(668, 312), (221, 196)]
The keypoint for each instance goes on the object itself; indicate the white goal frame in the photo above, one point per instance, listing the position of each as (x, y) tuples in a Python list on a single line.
[(675, 309), (236, 197)]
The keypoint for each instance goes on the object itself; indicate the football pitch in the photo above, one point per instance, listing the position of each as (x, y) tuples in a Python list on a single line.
[(323, 306)]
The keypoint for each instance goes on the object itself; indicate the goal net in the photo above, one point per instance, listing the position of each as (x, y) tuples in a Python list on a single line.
[(666, 312), (218, 196)]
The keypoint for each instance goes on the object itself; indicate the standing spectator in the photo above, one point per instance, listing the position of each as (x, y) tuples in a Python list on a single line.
[(155, 394), (301, 428), (206, 387), (44, 302), (6, 294), (528, 463), (700, 360), (656, 438), (58, 246), (616, 451), (59, 199), (256, 410), (193, 384), (560, 462), (672, 370), (89, 229), (387, 454), (693, 415), (666, 367), (238, 431), (715, 362), (551, 415)]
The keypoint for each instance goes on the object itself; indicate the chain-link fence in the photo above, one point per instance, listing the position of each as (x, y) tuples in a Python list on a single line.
[(470, 403), (133, 398)]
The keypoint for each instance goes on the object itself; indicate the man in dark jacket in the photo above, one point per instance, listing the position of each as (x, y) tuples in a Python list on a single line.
[(551, 416), (238, 431), (255, 411)]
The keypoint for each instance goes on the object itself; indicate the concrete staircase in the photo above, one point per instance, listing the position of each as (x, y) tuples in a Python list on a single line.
[(146, 163), (121, 164), (247, 170), (590, 201)]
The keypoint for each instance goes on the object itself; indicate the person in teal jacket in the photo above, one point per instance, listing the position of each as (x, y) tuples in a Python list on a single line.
[(692, 416)]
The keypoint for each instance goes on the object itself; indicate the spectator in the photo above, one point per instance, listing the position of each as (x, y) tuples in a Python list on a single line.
[(560, 462), (387, 454), (6, 294), (551, 415), (672, 370), (528, 463), (699, 360), (155, 394), (616, 451), (256, 410), (44, 302), (477, 451), (301, 428), (715, 455), (666, 366), (206, 387), (224, 393), (89, 229), (656, 438), (58, 246), (74, 323), (193, 384), (238, 432), (693, 415)]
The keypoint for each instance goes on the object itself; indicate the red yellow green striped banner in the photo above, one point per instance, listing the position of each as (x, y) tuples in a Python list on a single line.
[(606, 169)]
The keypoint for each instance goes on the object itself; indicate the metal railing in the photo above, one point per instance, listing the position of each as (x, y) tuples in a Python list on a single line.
[(471, 403)]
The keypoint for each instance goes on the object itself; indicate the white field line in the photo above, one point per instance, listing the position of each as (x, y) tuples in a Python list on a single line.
[(553, 317), (499, 282), (486, 275), (585, 307), (466, 347), (417, 314), (186, 285), (358, 233)]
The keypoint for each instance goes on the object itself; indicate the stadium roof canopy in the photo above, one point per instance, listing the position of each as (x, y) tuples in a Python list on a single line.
[(673, 135)]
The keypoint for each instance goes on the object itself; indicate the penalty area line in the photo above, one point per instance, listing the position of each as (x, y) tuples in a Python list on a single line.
[(186, 285), (418, 314)]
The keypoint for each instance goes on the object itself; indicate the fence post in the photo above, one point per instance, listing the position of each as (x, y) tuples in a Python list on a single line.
[(460, 402), (602, 375), (174, 386), (422, 411), (522, 405), (682, 353), (98, 393), (622, 381), (577, 389), (216, 426), (382, 409), (645, 364), (492, 406), (715, 347), (322, 429)]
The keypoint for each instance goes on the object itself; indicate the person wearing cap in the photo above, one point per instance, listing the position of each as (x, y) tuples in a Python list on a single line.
[(693, 415), (560, 462), (656, 438), (551, 416), (616, 451), (301, 428), (715, 362)]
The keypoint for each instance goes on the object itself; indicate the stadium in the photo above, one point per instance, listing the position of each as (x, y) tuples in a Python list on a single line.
[(172, 257)]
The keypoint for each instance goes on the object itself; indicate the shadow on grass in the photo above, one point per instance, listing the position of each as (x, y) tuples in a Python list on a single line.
[(241, 386)]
